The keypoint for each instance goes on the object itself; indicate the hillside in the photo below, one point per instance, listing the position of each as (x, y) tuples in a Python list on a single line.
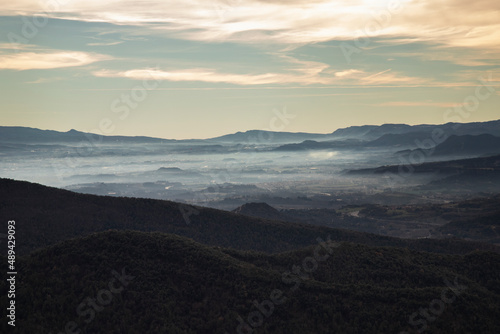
[(372, 132), (267, 137), (18, 134), (347, 144), (47, 215), (470, 166), (133, 282), (469, 145), (260, 210), (392, 139), (474, 219), (484, 227), (465, 139), (464, 177)]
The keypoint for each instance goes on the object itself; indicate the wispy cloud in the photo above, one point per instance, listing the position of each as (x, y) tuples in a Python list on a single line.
[(206, 75), (314, 76), (45, 80), (454, 23), (348, 73), (385, 77), (104, 43), (48, 59), (416, 104), (389, 77)]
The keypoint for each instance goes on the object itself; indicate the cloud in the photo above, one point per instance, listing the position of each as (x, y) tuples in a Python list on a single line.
[(453, 23), (206, 75), (16, 47), (104, 43), (45, 80), (347, 73), (433, 53), (48, 60), (389, 77), (301, 76), (417, 104), (385, 77)]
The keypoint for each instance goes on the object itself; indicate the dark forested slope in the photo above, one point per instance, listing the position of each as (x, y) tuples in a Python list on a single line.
[(135, 282)]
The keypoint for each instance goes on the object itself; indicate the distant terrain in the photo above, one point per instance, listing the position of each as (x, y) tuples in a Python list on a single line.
[(476, 219)]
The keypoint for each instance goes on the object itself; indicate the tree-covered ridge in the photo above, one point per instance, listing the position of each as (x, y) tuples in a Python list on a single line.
[(139, 282)]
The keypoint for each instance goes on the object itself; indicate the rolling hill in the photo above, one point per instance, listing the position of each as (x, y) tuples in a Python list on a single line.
[(259, 210), (472, 166), (136, 282), (468, 145)]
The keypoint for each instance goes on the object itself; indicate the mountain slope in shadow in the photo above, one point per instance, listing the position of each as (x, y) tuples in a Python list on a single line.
[(136, 282)]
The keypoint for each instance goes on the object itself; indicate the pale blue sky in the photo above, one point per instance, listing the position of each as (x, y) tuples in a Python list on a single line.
[(199, 69)]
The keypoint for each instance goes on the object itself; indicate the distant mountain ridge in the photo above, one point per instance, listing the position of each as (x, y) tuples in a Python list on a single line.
[(476, 138), (269, 137), (18, 134), (371, 132)]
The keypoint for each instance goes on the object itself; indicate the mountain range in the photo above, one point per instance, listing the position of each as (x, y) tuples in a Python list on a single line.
[(371, 132), (454, 145), (13, 134)]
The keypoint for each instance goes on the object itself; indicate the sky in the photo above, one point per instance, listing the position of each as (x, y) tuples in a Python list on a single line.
[(200, 69)]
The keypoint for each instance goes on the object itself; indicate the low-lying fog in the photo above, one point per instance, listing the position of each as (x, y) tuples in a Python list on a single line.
[(205, 174)]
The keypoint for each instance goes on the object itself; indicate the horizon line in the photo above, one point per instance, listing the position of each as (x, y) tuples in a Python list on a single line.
[(242, 131)]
